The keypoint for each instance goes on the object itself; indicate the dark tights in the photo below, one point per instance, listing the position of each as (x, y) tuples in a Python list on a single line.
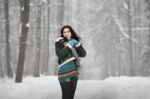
[(68, 89)]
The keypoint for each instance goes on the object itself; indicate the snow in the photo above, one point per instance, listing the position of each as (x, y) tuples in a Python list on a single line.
[(28, 25), (22, 9), (47, 87), (131, 87), (125, 6), (31, 4), (45, 1)]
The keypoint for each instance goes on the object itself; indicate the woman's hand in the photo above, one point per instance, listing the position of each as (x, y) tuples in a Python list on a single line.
[(73, 42)]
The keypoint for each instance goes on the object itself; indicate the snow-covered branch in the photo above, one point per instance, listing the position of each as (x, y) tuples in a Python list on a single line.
[(140, 29), (121, 28), (123, 32)]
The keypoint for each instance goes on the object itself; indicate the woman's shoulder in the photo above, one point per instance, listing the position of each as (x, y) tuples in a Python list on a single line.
[(59, 39)]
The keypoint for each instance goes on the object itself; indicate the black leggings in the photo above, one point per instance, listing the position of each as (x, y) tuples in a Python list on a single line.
[(68, 89)]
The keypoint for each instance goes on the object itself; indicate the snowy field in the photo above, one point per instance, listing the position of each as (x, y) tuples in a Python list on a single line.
[(47, 87)]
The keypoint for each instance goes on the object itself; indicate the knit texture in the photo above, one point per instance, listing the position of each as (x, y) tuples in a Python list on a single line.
[(67, 71)]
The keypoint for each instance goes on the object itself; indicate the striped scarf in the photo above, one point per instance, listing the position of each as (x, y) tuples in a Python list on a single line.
[(67, 70)]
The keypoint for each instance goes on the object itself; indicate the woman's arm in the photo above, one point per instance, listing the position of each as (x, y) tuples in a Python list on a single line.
[(61, 50), (80, 50)]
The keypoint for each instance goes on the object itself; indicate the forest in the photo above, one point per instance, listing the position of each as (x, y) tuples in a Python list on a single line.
[(115, 34)]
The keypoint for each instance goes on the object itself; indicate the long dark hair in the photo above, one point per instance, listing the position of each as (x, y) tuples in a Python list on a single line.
[(73, 33)]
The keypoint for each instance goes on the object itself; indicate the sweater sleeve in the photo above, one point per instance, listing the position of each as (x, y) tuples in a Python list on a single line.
[(80, 51), (61, 50)]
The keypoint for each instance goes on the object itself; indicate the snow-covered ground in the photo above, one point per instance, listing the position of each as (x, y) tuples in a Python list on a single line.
[(47, 87)]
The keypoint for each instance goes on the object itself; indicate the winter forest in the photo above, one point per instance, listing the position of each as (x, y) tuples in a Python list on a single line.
[(115, 34)]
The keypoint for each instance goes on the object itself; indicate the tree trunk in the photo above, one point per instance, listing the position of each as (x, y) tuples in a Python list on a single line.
[(25, 8), (44, 39), (48, 31), (9, 69), (146, 61), (131, 61), (61, 13), (1, 70), (67, 12), (38, 42)]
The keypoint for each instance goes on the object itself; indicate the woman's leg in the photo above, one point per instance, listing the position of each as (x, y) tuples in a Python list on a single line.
[(65, 88), (73, 85)]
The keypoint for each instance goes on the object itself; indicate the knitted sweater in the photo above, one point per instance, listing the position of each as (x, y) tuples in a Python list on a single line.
[(67, 67)]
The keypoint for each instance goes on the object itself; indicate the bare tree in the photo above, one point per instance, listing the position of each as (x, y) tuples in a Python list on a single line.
[(1, 70), (61, 13), (25, 8), (44, 40), (9, 69), (48, 35), (38, 41), (131, 61), (146, 61), (67, 12)]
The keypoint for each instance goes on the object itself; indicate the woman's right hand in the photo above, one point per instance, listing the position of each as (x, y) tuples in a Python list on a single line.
[(73, 42)]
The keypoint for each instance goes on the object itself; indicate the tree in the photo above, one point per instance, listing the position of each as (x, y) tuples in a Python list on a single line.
[(146, 61), (67, 12), (44, 39), (1, 70), (47, 34), (38, 42), (131, 61), (61, 13), (25, 8), (9, 69)]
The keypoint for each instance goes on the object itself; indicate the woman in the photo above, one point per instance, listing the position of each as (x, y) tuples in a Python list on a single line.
[(68, 72)]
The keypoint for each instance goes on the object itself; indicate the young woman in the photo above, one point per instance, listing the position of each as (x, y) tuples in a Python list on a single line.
[(68, 71)]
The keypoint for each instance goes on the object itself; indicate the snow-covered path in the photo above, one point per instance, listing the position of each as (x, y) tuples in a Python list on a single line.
[(96, 90), (48, 88)]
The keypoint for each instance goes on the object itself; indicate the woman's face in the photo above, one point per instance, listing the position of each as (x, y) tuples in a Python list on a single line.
[(67, 33)]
